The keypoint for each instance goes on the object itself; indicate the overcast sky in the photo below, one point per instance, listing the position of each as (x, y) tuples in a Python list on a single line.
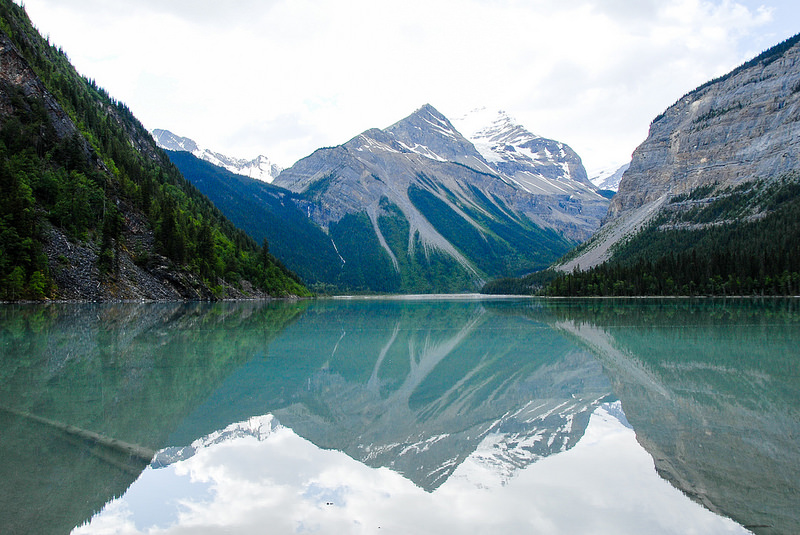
[(285, 77)]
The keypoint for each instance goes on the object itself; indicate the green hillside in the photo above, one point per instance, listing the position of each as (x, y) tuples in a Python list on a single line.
[(265, 212), (76, 163)]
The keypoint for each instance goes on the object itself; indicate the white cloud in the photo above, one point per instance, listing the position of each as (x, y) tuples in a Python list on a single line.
[(287, 76)]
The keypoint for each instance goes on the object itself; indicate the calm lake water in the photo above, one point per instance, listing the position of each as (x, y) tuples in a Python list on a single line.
[(401, 416)]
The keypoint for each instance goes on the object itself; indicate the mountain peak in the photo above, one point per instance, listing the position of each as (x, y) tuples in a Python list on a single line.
[(169, 141), (429, 133), (535, 163)]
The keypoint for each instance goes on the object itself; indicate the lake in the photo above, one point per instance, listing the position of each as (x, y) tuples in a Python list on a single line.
[(449, 415)]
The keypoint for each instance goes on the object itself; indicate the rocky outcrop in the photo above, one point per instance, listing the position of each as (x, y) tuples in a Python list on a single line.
[(743, 126)]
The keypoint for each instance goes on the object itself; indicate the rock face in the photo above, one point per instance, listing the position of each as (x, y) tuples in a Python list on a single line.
[(498, 206), (741, 127), (744, 126)]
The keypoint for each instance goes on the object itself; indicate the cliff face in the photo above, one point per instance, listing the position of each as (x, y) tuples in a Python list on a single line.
[(743, 126)]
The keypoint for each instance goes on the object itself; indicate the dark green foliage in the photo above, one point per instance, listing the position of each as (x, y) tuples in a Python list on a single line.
[(424, 271), (527, 285), (505, 245), (607, 193), (76, 182), (266, 213), (317, 189), (367, 266), (756, 255)]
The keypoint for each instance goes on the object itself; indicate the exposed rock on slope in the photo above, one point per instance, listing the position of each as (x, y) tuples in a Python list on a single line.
[(440, 214), (744, 126)]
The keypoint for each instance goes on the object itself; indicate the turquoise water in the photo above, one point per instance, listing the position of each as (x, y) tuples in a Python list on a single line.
[(342, 416)]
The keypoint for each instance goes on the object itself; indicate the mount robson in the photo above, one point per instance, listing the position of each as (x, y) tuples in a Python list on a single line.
[(416, 207)]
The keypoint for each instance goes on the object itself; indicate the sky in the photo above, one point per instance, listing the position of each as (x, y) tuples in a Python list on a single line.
[(285, 77)]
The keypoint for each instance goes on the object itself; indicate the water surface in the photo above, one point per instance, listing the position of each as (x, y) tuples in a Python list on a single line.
[(382, 416)]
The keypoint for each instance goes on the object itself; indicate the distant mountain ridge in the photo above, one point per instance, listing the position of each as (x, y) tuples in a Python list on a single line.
[(608, 179), (260, 168)]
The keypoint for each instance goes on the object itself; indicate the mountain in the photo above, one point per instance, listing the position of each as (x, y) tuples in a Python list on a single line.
[(416, 207), (90, 208), (260, 168), (711, 201), (535, 164), (266, 212), (608, 179)]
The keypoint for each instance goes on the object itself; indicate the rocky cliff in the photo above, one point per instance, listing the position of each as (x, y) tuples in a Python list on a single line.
[(741, 128)]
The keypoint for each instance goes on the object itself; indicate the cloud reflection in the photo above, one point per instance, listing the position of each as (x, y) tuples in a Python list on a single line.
[(279, 482)]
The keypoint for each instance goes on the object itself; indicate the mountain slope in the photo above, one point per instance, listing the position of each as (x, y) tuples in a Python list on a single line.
[(421, 209), (711, 200), (90, 208), (260, 168), (265, 212)]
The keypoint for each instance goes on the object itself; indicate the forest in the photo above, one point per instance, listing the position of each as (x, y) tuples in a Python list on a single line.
[(91, 182), (739, 241)]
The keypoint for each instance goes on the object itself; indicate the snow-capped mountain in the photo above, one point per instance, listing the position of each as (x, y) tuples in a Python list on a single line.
[(536, 164), (609, 178), (260, 168), (258, 427), (419, 198)]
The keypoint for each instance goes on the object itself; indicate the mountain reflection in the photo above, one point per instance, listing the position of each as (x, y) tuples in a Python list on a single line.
[(416, 386), (445, 394), (712, 388), (130, 372)]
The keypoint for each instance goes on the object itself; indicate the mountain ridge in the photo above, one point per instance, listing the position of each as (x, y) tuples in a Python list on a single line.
[(260, 167)]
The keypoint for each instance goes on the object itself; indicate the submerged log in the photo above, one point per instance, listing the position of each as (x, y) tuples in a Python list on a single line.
[(126, 448)]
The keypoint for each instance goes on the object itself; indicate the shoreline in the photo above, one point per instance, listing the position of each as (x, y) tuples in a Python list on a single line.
[(396, 297)]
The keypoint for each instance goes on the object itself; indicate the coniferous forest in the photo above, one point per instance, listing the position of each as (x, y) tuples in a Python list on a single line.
[(745, 241), (95, 180)]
